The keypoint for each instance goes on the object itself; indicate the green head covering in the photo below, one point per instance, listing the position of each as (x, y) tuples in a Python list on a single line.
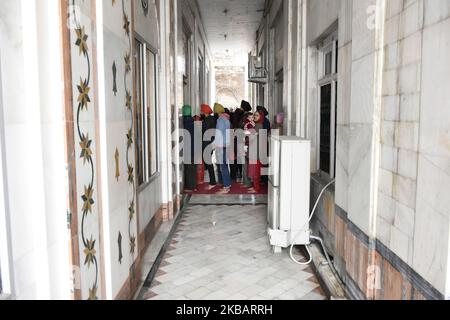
[(187, 111), (219, 109)]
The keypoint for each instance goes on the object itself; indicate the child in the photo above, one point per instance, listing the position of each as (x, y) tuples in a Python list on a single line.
[(249, 124)]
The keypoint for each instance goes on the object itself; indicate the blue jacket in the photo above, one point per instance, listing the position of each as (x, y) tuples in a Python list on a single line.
[(223, 133)]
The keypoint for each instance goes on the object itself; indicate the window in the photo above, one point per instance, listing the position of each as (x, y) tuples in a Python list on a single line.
[(146, 112), (325, 128), (328, 63), (328, 58)]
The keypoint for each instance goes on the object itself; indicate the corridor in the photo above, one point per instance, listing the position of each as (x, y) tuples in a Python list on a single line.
[(221, 252), (155, 149)]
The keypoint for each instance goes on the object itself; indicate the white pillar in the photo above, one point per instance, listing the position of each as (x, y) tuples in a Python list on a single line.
[(164, 105)]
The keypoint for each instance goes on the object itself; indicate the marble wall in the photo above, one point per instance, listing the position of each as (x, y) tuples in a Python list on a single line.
[(321, 15), (131, 213), (413, 213), (344, 103), (117, 121), (82, 25), (392, 161), (152, 197), (432, 202)]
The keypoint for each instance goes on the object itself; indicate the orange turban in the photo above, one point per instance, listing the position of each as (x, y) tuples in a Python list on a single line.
[(206, 109)]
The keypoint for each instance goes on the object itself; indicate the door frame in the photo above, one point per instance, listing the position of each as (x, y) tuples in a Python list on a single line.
[(329, 44)]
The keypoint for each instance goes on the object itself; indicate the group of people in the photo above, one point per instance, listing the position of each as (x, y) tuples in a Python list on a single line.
[(223, 132)]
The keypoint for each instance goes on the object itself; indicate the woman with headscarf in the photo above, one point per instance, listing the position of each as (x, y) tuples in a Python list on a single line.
[(254, 156), (268, 127), (190, 169), (208, 126), (222, 143), (266, 124)]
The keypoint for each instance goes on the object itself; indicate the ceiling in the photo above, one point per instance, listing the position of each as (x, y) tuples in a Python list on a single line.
[(231, 26)]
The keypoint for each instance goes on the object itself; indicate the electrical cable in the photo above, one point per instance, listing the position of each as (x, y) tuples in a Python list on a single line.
[(291, 253), (326, 255)]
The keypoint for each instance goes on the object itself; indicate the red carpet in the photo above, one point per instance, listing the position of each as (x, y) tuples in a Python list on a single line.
[(236, 189)]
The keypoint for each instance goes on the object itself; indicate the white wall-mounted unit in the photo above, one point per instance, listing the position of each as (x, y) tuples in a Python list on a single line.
[(256, 71), (289, 191)]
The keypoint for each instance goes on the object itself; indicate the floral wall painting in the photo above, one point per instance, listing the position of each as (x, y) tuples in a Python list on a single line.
[(114, 71), (145, 7), (130, 150), (119, 243), (86, 167), (118, 116), (117, 161), (119, 145)]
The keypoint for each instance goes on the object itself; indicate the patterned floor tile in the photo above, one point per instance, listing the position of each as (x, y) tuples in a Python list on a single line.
[(221, 252), (198, 293), (149, 295)]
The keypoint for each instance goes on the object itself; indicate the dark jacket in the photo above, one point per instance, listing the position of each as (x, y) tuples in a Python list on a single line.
[(188, 125), (210, 123), (267, 126), (236, 118)]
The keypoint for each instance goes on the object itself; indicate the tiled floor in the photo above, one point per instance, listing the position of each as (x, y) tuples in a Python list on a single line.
[(228, 199), (221, 252)]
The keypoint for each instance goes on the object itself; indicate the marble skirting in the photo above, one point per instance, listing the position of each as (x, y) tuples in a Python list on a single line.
[(357, 253)]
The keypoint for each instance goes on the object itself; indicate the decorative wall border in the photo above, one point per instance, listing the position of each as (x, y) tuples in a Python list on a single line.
[(149, 232), (129, 106), (128, 291), (352, 289), (134, 110), (72, 218), (177, 219), (359, 234), (85, 143), (412, 276)]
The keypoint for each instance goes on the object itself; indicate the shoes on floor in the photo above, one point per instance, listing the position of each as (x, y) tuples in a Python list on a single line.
[(251, 190), (224, 191)]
